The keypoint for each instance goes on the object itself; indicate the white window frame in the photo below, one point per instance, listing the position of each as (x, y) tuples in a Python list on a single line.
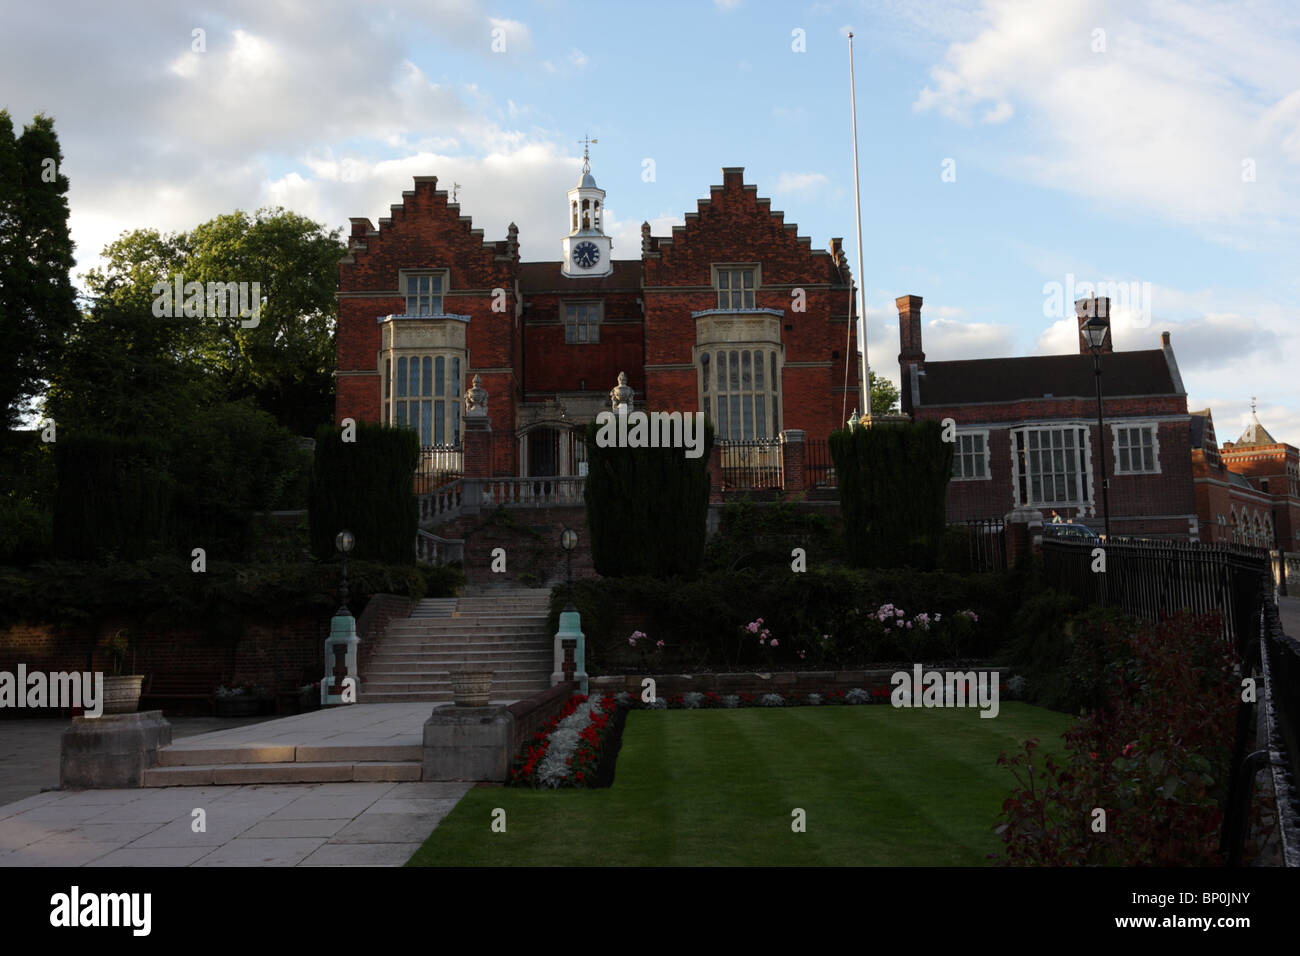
[(745, 397), (405, 277), (737, 267), (1083, 476), (1154, 427), (958, 454), (591, 336), (397, 390)]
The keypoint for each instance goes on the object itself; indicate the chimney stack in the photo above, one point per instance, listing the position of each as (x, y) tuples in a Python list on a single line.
[(911, 359), (909, 330), (1084, 310)]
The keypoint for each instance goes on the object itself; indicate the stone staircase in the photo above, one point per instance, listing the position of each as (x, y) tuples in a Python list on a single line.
[(504, 630)]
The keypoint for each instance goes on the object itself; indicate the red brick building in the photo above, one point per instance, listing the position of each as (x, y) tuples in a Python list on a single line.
[(734, 315), (1027, 436), (1247, 491)]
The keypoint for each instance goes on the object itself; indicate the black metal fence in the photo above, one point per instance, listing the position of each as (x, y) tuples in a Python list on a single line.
[(818, 466), (1156, 579), (751, 465), (1280, 662), (987, 543), (1153, 579), (438, 465)]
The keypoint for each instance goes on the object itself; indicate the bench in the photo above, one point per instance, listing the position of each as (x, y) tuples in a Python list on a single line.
[(181, 686)]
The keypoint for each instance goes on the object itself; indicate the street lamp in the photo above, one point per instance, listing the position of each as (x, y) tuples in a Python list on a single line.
[(1094, 330), (569, 541), (344, 541)]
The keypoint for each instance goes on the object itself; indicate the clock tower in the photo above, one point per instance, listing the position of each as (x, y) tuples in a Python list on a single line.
[(586, 247)]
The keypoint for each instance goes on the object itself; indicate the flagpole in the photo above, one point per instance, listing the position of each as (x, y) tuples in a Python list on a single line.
[(864, 370)]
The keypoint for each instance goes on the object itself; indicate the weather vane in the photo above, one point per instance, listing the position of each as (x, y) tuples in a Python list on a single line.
[(586, 153)]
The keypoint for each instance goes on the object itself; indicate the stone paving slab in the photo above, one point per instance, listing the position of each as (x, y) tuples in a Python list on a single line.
[(325, 824)]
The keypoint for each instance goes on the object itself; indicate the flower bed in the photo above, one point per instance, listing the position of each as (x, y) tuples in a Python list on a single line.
[(567, 751)]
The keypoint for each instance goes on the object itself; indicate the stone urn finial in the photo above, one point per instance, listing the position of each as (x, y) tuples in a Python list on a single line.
[(621, 394), (476, 398)]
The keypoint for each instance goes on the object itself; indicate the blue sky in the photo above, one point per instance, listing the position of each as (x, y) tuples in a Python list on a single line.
[(1163, 150)]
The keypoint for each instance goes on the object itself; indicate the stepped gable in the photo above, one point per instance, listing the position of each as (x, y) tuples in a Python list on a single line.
[(734, 216), (425, 227)]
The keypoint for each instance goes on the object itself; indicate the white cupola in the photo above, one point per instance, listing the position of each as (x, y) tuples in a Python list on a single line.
[(586, 247)]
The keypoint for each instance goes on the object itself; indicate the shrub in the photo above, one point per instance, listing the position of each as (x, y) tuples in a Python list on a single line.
[(883, 527), (647, 508), (366, 486), (1154, 756), (26, 531)]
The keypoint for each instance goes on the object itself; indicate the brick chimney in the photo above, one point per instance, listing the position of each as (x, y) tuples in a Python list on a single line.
[(1085, 309), (909, 330), (911, 359)]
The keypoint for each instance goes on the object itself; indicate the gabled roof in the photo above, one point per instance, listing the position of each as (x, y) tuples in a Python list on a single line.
[(535, 277), (1203, 436), (1255, 433), (982, 381)]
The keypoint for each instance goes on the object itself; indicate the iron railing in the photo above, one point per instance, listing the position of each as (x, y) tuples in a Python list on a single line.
[(818, 466), (751, 465), (987, 543), (438, 465), (1153, 579)]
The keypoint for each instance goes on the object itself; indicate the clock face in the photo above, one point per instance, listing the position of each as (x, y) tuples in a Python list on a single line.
[(586, 254)]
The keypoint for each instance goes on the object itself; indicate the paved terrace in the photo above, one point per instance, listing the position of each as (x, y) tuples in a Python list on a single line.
[(282, 824)]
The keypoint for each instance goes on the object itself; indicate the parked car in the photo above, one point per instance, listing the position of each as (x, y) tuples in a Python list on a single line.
[(1070, 531)]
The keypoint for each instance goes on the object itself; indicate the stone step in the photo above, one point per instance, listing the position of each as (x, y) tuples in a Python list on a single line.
[(180, 755), (198, 775), (504, 670), (440, 680), (448, 659)]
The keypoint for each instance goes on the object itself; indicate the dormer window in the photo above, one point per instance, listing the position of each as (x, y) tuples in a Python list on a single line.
[(424, 291), (735, 285)]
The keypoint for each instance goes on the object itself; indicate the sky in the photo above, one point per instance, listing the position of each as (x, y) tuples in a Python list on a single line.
[(1011, 151)]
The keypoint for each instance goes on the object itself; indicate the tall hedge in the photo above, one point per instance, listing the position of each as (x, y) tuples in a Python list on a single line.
[(647, 508), (113, 497), (367, 487), (893, 482)]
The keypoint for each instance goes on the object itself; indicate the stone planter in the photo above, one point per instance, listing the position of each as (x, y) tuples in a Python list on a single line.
[(471, 688), (122, 693)]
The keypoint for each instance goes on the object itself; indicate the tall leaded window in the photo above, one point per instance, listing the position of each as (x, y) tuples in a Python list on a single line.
[(581, 323), (970, 457), (739, 393), (426, 397), (1051, 465), (736, 287), (424, 291)]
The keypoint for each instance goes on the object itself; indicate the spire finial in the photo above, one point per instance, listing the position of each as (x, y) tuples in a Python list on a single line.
[(586, 153), (1252, 405)]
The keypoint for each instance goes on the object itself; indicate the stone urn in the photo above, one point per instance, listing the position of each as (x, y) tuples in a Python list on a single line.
[(471, 687), (122, 694)]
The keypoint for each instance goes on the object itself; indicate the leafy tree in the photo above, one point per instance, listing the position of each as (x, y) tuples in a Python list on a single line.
[(37, 301), (884, 395)]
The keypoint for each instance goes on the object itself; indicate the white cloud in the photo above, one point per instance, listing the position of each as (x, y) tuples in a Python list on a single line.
[(578, 58), (1159, 122), (803, 183)]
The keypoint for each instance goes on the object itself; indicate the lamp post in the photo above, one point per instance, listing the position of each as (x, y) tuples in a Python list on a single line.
[(1094, 330), (344, 541), (569, 541), (340, 684), (570, 642)]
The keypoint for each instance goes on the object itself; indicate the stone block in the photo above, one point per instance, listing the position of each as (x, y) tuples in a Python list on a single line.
[(112, 751), (468, 743)]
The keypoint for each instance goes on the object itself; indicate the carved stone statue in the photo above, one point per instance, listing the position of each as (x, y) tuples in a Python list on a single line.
[(621, 394), (476, 398)]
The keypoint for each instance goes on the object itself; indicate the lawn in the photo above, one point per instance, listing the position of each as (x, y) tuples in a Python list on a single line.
[(880, 787)]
